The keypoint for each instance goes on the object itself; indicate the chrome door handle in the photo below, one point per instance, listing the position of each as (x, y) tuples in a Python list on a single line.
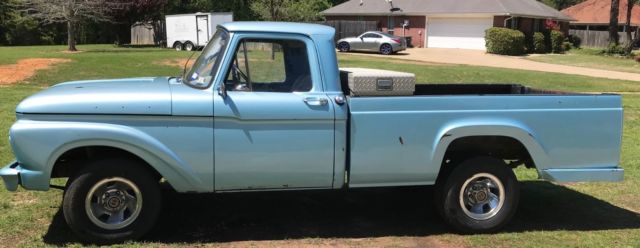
[(316, 101)]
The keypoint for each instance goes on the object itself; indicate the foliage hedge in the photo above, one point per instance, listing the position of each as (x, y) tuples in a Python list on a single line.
[(557, 40), (539, 45), (504, 41), (575, 40)]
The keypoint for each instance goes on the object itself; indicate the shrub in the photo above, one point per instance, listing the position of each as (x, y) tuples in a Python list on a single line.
[(566, 46), (539, 45), (557, 39), (504, 41), (614, 49), (575, 40)]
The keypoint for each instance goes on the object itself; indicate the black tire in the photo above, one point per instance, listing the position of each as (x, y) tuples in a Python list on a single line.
[(77, 216), (178, 46), (344, 47), (386, 49), (449, 204), (188, 46)]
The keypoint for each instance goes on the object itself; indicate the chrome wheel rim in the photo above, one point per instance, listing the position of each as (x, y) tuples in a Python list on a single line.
[(178, 47), (386, 49), (482, 196), (113, 203), (188, 47)]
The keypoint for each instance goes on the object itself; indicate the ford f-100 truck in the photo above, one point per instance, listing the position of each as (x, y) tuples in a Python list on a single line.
[(265, 107)]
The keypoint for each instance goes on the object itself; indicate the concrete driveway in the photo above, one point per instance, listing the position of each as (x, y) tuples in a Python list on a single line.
[(480, 58)]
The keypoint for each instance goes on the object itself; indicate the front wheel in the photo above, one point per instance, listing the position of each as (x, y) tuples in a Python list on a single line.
[(111, 201), (177, 46), (480, 195), (344, 47)]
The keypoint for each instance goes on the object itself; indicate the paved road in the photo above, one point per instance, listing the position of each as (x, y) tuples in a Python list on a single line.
[(480, 58)]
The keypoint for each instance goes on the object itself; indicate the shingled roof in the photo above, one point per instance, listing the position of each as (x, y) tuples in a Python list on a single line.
[(597, 12), (524, 8)]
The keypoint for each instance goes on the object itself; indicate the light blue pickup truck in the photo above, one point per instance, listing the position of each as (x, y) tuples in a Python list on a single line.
[(265, 107)]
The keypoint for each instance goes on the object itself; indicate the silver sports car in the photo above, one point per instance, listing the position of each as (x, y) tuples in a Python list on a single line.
[(373, 41)]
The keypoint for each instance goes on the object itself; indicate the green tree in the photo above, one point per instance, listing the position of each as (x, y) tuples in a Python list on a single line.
[(241, 8), (614, 38), (308, 10), (561, 4), (70, 12), (630, 40), (289, 10)]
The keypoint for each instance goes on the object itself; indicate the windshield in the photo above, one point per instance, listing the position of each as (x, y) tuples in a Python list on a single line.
[(201, 73)]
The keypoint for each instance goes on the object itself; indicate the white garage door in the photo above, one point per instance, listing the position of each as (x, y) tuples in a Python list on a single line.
[(467, 33)]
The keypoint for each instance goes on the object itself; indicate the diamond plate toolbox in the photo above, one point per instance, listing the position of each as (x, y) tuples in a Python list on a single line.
[(374, 82)]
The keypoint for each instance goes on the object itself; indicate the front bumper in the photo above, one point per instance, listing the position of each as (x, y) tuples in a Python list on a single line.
[(11, 176)]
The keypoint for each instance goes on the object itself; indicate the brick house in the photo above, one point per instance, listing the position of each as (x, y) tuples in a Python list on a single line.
[(451, 23)]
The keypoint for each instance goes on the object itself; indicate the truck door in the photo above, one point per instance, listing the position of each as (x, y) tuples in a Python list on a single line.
[(202, 25), (274, 129)]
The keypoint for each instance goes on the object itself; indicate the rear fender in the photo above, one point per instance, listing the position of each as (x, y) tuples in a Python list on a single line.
[(506, 128)]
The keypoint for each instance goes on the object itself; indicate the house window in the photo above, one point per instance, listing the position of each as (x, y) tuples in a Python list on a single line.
[(390, 24), (537, 23), (512, 23)]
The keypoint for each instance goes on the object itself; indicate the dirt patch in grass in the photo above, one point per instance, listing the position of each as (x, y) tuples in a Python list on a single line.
[(26, 68), (175, 62), (353, 242)]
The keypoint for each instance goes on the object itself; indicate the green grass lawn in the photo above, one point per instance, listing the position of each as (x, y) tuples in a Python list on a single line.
[(574, 215), (590, 58)]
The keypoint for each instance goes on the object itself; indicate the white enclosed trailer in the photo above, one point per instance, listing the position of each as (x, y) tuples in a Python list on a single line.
[(192, 31)]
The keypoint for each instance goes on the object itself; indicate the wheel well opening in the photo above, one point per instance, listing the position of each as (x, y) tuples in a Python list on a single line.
[(74, 160), (511, 150), (500, 147)]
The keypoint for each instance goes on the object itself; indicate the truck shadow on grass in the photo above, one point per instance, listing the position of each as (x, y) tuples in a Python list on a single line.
[(355, 214)]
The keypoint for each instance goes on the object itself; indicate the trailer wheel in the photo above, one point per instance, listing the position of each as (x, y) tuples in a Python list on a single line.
[(112, 200), (177, 46), (188, 46), (480, 195)]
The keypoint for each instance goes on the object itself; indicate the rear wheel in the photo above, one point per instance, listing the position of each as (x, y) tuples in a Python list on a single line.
[(344, 47), (188, 46), (386, 49), (177, 46), (480, 195), (111, 201)]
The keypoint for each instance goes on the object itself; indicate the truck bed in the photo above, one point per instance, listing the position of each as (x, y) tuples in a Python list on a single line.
[(424, 89), (401, 140)]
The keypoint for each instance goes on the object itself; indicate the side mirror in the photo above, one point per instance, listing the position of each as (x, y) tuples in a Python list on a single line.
[(222, 91)]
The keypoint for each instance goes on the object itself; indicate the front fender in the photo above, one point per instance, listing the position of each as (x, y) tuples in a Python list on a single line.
[(38, 144), (489, 127)]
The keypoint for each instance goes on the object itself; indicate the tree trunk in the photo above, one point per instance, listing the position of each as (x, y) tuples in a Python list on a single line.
[(614, 38), (629, 48), (71, 36)]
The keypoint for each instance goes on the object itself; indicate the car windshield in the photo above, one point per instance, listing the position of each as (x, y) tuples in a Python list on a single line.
[(201, 73)]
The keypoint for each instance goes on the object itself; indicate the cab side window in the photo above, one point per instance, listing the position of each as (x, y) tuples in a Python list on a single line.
[(270, 66)]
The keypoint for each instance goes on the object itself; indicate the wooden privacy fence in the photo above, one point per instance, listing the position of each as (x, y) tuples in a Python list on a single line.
[(351, 28), (592, 38), (148, 33)]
